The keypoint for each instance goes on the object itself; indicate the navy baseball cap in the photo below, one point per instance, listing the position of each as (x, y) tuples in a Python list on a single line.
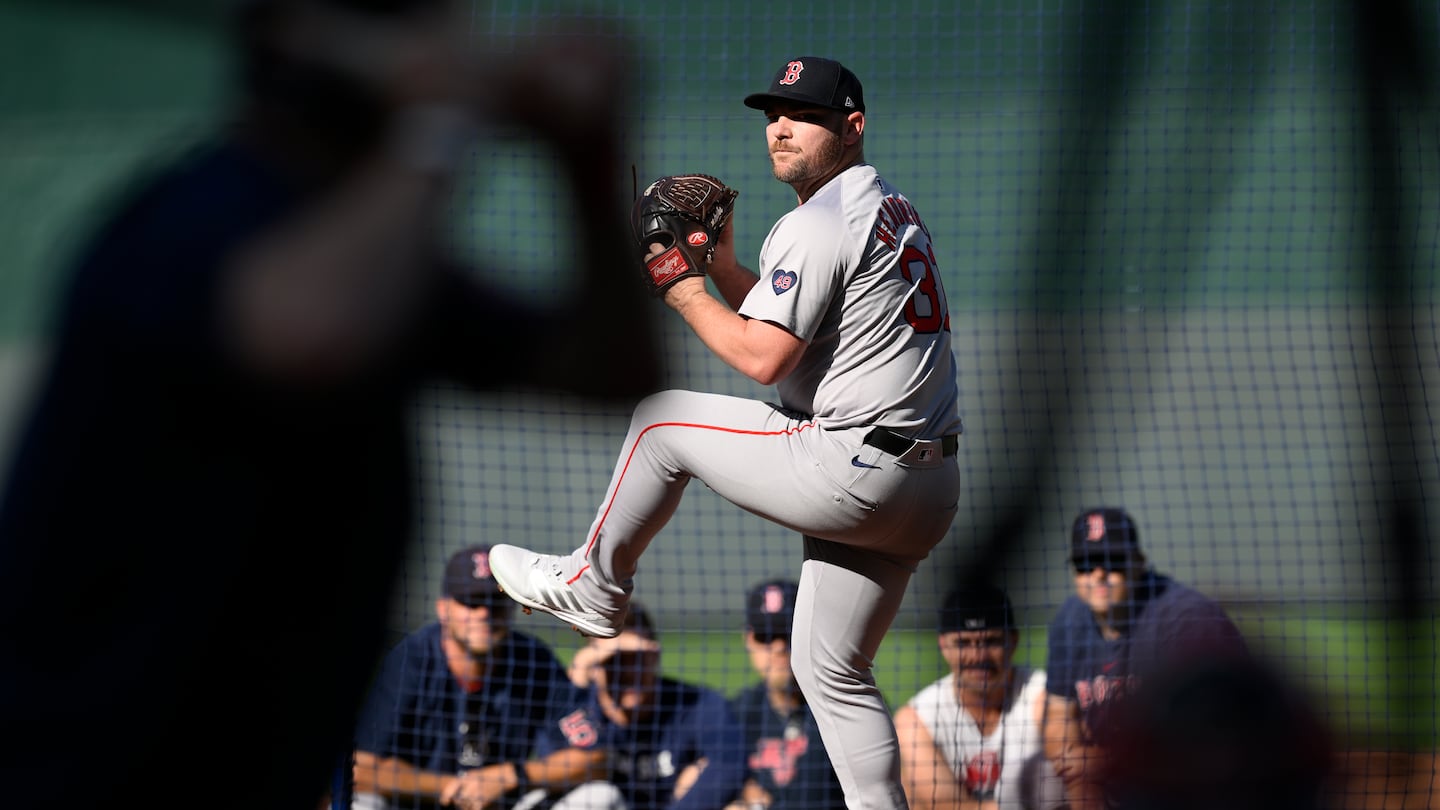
[(468, 579), (1104, 533), (639, 621), (770, 607), (981, 607), (813, 80)]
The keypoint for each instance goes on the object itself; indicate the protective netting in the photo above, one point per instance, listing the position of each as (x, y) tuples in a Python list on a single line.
[(1190, 250)]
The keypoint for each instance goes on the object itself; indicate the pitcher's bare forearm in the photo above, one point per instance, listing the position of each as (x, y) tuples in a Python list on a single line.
[(759, 350)]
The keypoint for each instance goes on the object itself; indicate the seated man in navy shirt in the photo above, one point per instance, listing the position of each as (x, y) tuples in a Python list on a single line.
[(788, 766), (641, 741), (1123, 621), (459, 704)]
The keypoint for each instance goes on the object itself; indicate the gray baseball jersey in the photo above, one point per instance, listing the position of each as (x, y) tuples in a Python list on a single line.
[(853, 273)]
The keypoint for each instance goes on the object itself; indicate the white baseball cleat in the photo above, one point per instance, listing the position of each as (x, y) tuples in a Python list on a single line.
[(537, 581)]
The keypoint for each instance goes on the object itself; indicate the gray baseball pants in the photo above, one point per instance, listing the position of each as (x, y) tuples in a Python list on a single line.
[(868, 519)]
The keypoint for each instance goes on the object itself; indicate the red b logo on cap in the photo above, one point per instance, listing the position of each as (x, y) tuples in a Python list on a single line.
[(774, 599), (1096, 523), (792, 72)]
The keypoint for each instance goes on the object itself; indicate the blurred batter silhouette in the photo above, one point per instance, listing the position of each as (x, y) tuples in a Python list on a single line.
[(214, 488)]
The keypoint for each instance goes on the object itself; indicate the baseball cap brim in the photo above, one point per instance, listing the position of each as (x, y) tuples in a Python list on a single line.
[(475, 599), (759, 101)]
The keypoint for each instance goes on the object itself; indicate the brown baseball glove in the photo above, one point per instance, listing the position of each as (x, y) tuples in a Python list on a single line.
[(677, 221)]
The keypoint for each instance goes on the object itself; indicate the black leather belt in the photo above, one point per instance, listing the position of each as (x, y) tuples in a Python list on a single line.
[(897, 445)]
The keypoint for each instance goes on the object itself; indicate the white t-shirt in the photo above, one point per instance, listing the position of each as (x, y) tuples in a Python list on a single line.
[(1017, 738)]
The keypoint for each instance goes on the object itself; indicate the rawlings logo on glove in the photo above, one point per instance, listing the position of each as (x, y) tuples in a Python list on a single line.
[(677, 221)]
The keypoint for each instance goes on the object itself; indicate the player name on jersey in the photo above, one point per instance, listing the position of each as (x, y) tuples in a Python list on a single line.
[(896, 212)]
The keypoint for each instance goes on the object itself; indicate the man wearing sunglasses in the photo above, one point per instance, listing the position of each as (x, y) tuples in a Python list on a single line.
[(973, 738), (1123, 621), (788, 767)]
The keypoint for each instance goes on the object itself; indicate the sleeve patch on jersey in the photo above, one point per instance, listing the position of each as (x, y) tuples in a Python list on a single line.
[(783, 281)]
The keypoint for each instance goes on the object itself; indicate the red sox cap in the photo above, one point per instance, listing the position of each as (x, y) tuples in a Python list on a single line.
[(1104, 533), (770, 607), (468, 579), (813, 80)]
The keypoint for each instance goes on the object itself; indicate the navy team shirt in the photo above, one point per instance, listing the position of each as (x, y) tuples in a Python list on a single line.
[(688, 723), (417, 710), (786, 756), (1169, 622)]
